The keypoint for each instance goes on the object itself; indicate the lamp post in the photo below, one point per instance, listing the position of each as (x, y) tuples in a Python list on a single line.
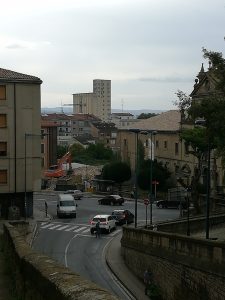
[(202, 123), (136, 132), (26, 135), (150, 191)]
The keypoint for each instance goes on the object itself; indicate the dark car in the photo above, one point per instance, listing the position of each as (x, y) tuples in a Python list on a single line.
[(111, 200), (123, 216), (171, 204)]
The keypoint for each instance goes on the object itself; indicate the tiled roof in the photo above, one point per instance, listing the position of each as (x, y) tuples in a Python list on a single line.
[(122, 114), (74, 117), (7, 75), (166, 121)]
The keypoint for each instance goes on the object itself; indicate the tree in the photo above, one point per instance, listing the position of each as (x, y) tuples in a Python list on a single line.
[(61, 150), (159, 173), (211, 108), (146, 115), (117, 171)]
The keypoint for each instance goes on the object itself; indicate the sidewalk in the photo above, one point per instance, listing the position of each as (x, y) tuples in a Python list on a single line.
[(117, 265)]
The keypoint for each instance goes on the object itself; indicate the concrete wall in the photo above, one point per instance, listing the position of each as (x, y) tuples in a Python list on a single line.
[(38, 277), (182, 267)]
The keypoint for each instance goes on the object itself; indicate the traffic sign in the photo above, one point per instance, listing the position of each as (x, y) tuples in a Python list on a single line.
[(146, 201)]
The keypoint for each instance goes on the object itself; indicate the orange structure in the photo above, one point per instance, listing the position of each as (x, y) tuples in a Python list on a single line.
[(57, 170)]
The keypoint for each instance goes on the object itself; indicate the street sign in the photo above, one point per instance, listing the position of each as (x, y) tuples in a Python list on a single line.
[(146, 201), (155, 182)]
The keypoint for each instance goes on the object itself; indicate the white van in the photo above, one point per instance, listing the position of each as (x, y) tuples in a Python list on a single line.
[(66, 206)]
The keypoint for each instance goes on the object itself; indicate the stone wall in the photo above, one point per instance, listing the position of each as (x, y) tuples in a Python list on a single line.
[(197, 224), (182, 267), (38, 277)]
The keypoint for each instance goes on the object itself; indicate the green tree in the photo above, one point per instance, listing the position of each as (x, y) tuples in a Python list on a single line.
[(61, 150), (159, 173), (117, 171), (146, 115), (211, 108)]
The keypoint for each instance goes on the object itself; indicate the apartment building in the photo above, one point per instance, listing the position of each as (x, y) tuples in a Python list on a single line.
[(102, 90), (70, 126), (97, 103), (20, 139), (124, 120)]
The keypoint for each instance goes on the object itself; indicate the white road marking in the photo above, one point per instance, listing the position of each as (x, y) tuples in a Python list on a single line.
[(86, 230), (71, 228), (79, 229), (53, 227), (115, 232), (63, 227), (46, 226)]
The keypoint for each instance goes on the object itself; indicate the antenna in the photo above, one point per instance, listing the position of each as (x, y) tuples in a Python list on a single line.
[(62, 108), (122, 102)]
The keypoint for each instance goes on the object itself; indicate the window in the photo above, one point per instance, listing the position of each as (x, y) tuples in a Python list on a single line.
[(42, 148), (157, 144), (176, 148), (3, 120), (165, 144), (3, 176), (3, 148), (186, 148), (2, 92), (146, 143)]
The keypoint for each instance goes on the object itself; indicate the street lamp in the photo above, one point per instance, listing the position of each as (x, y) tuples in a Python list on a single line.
[(26, 135), (152, 133), (136, 132), (202, 123)]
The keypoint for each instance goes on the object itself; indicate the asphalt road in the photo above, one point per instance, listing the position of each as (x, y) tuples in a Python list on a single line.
[(69, 240)]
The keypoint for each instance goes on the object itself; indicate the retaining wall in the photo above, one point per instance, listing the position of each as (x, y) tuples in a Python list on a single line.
[(38, 277), (182, 267)]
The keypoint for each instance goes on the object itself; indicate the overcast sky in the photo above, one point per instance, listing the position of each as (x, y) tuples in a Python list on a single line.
[(148, 48)]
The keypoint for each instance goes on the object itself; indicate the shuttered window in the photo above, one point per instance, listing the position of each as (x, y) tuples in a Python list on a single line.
[(3, 176), (2, 92), (3, 120), (3, 148)]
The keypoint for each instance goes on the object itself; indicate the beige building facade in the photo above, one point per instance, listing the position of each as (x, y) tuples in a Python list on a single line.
[(20, 139), (167, 147), (97, 103)]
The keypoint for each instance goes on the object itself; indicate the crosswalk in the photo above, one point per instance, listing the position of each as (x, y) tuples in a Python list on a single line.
[(78, 228)]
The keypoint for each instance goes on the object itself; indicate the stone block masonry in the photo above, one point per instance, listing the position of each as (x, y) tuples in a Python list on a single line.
[(183, 267), (38, 277)]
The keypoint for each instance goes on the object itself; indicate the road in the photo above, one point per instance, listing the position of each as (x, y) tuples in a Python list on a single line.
[(69, 240)]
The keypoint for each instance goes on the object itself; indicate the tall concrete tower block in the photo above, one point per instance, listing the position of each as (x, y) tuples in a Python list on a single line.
[(102, 90)]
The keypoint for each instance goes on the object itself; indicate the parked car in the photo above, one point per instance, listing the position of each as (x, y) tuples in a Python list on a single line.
[(107, 223), (171, 204), (123, 216), (77, 194), (111, 200)]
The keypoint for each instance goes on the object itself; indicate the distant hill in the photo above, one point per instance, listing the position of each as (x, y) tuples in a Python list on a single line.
[(67, 110)]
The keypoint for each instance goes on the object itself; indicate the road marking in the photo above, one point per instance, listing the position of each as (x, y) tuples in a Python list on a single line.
[(86, 230), (115, 232), (48, 225), (71, 228), (53, 227), (63, 227), (79, 229), (67, 247)]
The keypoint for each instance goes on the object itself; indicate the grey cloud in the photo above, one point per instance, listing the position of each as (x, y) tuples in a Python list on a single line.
[(166, 79), (15, 46)]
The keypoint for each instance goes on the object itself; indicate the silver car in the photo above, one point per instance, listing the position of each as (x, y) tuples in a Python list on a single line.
[(77, 194)]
